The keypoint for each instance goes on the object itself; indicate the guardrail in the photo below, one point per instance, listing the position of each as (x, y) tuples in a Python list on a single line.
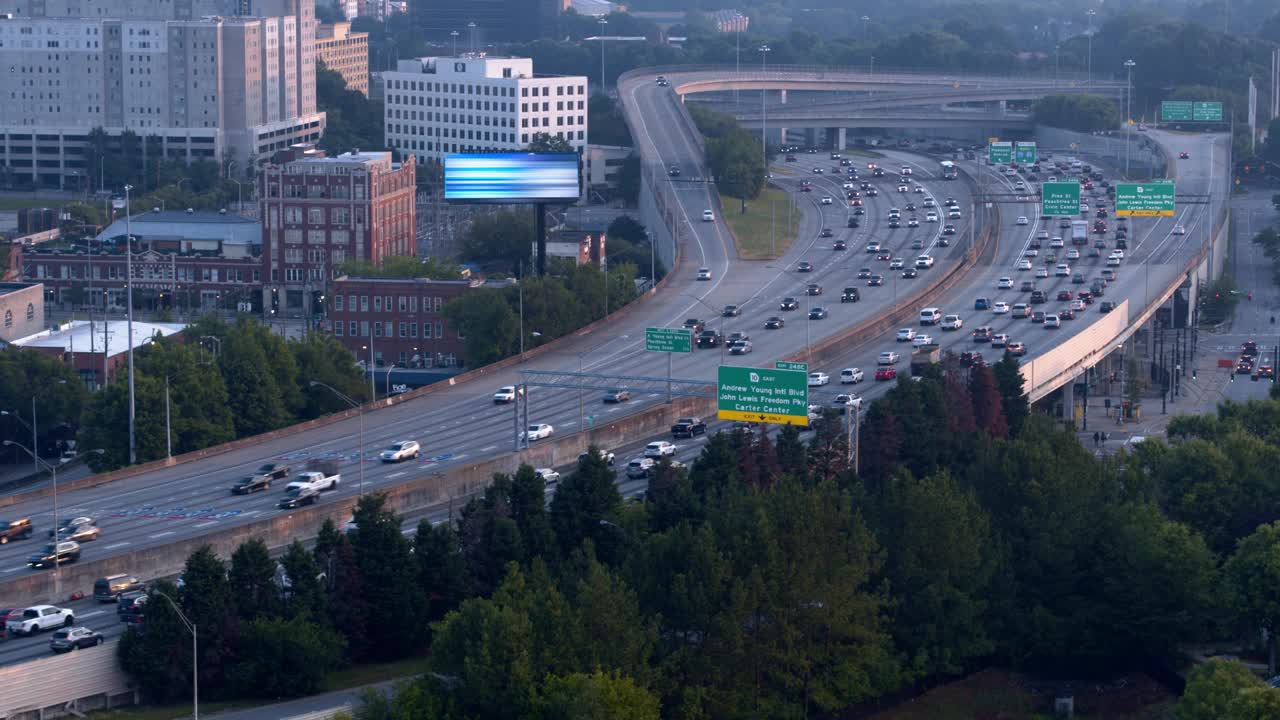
[(946, 74)]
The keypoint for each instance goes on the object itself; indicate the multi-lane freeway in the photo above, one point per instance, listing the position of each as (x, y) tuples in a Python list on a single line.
[(461, 423)]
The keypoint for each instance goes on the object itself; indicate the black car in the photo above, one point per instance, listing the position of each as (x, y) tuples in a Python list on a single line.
[(839, 245), (709, 339), (910, 274), (859, 211), (817, 313), (299, 496), (731, 311), (826, 233), (864, 273), (693, 324), (275, 471), (813, 289), (616, 396), (789, 303), (68, 551), (774, 323), (674, 171), (875, 281), (850, 294), (853, 223), (804, 266), (130, 608)]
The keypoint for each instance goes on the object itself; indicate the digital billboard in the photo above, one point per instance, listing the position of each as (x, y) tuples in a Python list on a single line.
[(511, 177)]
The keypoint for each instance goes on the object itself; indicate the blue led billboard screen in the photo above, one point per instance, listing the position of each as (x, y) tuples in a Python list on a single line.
[(511, 177)]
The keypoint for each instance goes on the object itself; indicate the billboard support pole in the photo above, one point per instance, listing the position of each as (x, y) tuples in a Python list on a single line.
[(541, 259)]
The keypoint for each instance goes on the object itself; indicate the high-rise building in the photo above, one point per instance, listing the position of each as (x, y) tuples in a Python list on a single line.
[(346, 53), (439, 105), (318, 212), (495, 20), (227, 80)]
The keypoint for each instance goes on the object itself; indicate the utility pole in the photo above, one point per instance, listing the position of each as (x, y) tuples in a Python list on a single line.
[(764, 95), (1128, 112), (128, 284), (602, 22)]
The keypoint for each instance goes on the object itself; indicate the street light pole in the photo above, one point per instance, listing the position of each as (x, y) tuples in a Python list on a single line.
[(360, 415), (737, 58), (866, 24), (472, 27), (128, 284), (168, 435), (1128, 112), (1089, 76), (454, 35), (602, 22), (764, 95), (195, 655)]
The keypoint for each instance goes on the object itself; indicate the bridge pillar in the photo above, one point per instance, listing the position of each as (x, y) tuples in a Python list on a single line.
[(811, 137), (782, 136), (1004, 107), (782, 96), (840, 139)]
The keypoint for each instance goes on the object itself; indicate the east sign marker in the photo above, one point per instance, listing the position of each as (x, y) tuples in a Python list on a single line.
[(761, 395), (1149, 199)]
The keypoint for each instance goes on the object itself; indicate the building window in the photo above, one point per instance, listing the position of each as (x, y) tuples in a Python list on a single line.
[(364, 303), (404, 329), (315, 216), (8, 318), (337, 329), (337, 302), (413, 329), (351, 328), (377, 329), (426, 330), (377, 303), (31, 312)]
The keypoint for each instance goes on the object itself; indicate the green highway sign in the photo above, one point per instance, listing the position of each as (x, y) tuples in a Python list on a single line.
[(762, 395), (788, 365), (1206, 112), (1175, 110), (1145, 199), (1024, 153), (1000, 152), (668, 340), (1060, 199)]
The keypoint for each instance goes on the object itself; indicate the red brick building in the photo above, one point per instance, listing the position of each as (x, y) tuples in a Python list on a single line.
[(402, 319), (318, 212)]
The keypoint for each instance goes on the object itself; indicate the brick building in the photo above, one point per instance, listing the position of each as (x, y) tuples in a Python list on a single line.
[(21, 310), (346, 53), (183, 260), (318, 212), (403, 319), (97, 351)]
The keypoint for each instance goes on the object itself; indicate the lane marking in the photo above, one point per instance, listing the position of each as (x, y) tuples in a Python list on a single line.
[(166, 533), (207, 524), (15, 569), (396, 474), (90, 614), (491, 448), (113, 546), (459, 456)]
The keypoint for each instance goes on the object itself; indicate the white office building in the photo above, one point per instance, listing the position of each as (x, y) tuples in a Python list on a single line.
[(472, 103), (226, 80)]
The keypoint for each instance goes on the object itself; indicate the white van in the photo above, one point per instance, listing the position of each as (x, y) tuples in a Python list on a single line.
[(930, 316)]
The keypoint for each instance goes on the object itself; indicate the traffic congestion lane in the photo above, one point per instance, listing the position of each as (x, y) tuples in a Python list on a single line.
[(89, 613), (177, 503)]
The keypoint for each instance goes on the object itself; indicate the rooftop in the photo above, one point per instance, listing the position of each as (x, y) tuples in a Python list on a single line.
[(8, 287), (75, 335), (231, 229), (195, 216)]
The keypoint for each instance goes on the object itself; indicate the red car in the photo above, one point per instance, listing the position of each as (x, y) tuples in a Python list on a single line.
[(1266, 371), (886, 373), (1064, 295)]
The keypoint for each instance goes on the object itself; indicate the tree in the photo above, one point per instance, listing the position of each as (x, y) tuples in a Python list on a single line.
[(349, 608), (988, 407), (253, 394), (1271, 149), (388, 573), (253, 580), (1212, 686), (1013, 396), (585, 507), (207, 602), (597, 696), (542, 142), (490, 330), (159, 660), (1082, 113), (354, 121), (28, 376), (442, 570), (1254, 574), (304, 596), (1134, 385), (398, 266), (286, 658), (320, 357), (504, 237)]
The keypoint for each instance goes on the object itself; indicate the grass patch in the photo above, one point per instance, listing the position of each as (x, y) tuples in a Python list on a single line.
[(769, 226), (348, 677), (19, 203)]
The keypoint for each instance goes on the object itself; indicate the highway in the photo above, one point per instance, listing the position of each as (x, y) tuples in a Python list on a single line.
[(461, 424)]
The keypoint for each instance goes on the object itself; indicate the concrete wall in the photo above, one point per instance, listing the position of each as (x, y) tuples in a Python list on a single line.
[(64, 685), (1085, 349)]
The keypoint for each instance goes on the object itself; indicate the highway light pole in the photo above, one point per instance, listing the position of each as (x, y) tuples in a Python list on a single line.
[(128, 284), (602, 22), (471, 26), (454, 34), (1128, 112), (53, 474), (764, 95), (866, 26), (360, 414), (195, 655), (1089, 76)]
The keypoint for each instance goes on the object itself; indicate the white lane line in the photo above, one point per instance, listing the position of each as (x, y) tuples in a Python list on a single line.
[(166, 533), (396, 474), (207, 524), (491, 448), (251, 513), (458, 457), (15, 569), (90, 614), (113, 546)]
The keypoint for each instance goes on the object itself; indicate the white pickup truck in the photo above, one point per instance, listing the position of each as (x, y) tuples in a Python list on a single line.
[(319, 475), (38, 618)]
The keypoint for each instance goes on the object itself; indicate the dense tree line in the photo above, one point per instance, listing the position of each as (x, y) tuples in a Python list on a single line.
[(353, 121), (225, 381), (770, 580), (1082, 113), (733, 154), (59, 398)]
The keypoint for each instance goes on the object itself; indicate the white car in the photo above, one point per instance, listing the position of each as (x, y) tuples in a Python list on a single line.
[(1113, 261), (918, 189), (1073, 254), (847, 186), (923, 262), (905, 170), (953, 214), (708, 216), (507, 394), (401, 451), (1118, 253), (537, 431), (931, 216), (1179, 230), (1004, 283), (1052, 322), (1022, 220), (704, 273), (922, 339), (1024, 264), (897, 264), (1077, 305), (1055, 243), (818, 379), (1062, 270), (1042, 235), (906, 335), (928, 202), (639, 467), (888, 357), (1000, 308), (912, 222), (1031, 252), (659, 448), (999, 340), (826, 200), (903, 188), (952, 322), (850, 376), (38, 618), (1042, 272), (548, 475)]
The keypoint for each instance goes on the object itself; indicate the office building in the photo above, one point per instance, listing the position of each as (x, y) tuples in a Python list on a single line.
[(346, 53), (402, 320), (348, 9), (495, 20), (225, 80), (318, 212), (472, 103)]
